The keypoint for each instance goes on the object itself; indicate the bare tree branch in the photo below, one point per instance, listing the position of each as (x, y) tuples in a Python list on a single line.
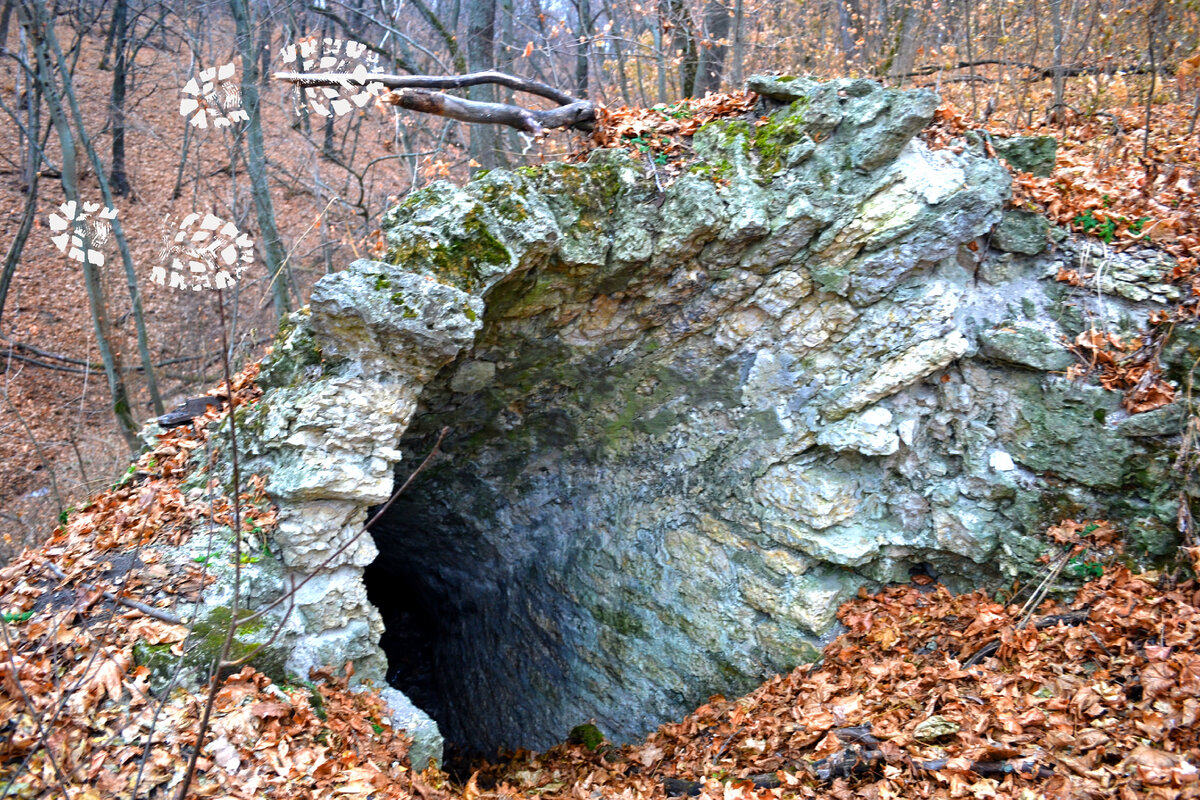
[(414, 93)]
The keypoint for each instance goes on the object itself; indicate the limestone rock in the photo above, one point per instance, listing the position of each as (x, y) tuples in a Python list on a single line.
[(1025, 345), (1033, 154), (1021, 232), (934, 728), (686, 424), (427, 739)]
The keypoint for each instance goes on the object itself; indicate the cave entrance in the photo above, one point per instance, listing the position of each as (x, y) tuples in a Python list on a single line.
[(469, 641)]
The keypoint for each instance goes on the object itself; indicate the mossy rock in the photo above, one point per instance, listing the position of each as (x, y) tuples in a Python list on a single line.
[(203, 647), (587, 735)]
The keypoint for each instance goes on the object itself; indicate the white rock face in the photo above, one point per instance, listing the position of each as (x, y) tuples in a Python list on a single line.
[(342, 388)]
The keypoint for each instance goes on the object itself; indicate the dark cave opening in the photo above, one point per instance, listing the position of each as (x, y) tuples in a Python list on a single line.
[(465, 639), (419, 609)]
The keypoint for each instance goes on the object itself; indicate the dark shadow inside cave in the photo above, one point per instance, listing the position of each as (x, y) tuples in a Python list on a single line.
[(462, 634)]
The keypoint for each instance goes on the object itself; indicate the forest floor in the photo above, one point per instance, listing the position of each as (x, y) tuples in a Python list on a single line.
[(926, 695)]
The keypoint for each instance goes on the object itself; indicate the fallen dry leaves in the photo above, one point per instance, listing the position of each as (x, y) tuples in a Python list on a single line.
[(77, 715), (1106, 708)]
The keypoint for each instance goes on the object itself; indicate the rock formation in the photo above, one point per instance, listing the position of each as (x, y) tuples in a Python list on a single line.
[(686, 421)]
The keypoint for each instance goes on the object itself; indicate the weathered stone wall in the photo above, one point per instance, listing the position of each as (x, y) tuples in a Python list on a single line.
[(686, 423)]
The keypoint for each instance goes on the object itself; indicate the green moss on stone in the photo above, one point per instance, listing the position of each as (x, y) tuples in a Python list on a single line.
[(620, 622), (456, 261), (208, 637), (295, 351), (587, 735), (159, 660)]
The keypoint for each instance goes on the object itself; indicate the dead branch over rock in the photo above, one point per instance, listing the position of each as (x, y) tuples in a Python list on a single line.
[(420, 93)]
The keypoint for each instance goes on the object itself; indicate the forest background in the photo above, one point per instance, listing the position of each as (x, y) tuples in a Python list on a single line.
[(90, 95)]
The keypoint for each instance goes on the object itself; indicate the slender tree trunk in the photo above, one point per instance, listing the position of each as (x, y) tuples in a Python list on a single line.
[(256, 160), (677, 19), (118, 177), (619, 52), (109, 40), (13, 256), (660, 56), (970, 37), (1152, 25), (849, 23), (187, 139), (31, 162), (444, 31), (5, 19), (481, 55), (583, 31), (39, 33), (131, 280), (1058, 111), (739, 42), (711, 63)]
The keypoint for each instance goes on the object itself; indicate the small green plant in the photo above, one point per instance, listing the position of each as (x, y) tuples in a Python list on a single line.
[(1104, 229), (17, 616), (674, 111), (641, 144), (1086, 569)]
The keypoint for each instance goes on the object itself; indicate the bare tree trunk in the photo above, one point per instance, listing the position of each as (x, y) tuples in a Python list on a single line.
[(739, 41), (118, 177), (583, 31), (481, 56), (187, 139), (907, 32), (131, 281), (660, 56), (1058, 110), (444, 31), (619, 52), (109, 40), (39, 33), (711, 62), (849, 27), (31, 161), (256, 160), (971, 56), (677, 20), (1153, 21), (5, 18)]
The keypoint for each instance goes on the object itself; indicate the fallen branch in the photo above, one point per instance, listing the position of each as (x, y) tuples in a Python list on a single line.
[(1039, 73), (862, 755), (422, 93), (149, 611), (990, 649)]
